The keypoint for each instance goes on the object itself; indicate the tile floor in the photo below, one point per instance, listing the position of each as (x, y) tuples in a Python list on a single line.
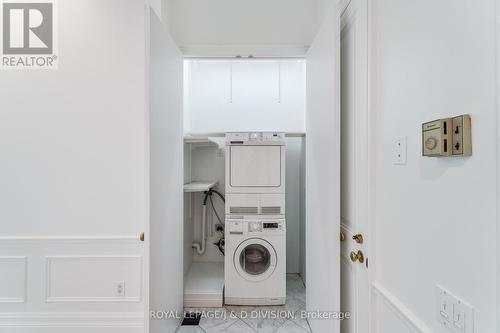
[(295, 302)]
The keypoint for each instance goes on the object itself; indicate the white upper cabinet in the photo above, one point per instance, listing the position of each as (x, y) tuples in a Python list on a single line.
[(225, 95)]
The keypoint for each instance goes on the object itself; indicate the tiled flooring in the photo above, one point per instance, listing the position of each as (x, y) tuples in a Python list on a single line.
[(295, 303)]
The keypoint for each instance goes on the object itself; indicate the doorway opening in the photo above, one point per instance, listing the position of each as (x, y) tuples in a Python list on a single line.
[(260, 97)]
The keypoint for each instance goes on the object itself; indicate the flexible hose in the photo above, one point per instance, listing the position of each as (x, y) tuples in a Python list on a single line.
[(201, 248)]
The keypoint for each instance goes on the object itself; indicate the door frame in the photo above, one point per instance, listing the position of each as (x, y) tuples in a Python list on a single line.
[(372, 152), (147, 172), (372, 165), (497, 83)]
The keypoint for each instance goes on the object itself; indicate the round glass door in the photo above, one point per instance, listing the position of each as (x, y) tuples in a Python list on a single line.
[(255, 259)]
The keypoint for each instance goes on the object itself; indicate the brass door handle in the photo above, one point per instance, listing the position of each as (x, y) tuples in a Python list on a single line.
[(342, 236), (141, 236), (359, 256), (358, 238)]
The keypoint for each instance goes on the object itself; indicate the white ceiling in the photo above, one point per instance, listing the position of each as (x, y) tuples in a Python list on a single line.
[(258, 27)]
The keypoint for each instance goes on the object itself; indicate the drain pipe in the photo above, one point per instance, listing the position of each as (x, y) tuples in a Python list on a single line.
[(200, 249)]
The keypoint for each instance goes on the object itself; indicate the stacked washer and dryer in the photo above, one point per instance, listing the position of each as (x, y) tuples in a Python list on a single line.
[(255, 228)]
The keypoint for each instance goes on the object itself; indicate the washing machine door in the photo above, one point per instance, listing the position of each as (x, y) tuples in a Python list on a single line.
[(255, 259)]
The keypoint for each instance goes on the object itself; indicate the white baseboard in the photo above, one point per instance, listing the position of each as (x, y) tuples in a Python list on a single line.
[(382, 297), (74, 329), (78, 319)]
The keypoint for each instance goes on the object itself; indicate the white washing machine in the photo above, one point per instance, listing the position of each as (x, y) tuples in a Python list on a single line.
[(255, 262)]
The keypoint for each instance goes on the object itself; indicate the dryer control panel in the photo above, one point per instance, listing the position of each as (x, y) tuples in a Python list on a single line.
[(255, 138)]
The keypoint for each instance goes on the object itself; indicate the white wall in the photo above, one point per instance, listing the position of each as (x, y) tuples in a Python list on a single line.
[(68, 133), (231, 27), (166, 182), (73, 175), (222, 95), (435, 217), (322, 176)]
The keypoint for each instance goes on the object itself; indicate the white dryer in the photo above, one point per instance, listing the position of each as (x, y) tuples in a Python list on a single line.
[(255, 174), (255, 262), (255, 162)]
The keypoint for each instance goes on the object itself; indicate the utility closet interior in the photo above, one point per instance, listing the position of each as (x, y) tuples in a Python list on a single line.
[(227, 95)]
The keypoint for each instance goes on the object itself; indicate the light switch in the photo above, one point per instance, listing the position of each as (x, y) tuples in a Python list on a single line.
[(436, 138), (399, 157), (444, 307)]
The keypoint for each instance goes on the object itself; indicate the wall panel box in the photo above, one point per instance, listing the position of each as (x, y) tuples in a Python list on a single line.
[(437, 138), (462, 139)]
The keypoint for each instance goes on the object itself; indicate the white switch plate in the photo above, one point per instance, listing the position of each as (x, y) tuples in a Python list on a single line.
[(399, 151), (453, 313), (444, 309)]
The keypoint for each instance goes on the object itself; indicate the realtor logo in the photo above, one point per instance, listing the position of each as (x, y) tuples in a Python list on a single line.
[(28, 34)]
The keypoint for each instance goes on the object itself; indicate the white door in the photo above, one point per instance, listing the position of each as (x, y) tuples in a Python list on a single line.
[(354, 167), (165, 233), (323, 175)]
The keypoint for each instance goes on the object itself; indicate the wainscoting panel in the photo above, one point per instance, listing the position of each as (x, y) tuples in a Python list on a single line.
[(13, 279), (68, 279), (71, 284), (391, 315)]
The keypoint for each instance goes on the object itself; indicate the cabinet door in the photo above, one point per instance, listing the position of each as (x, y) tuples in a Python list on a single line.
[(255, 85), (208, 95)]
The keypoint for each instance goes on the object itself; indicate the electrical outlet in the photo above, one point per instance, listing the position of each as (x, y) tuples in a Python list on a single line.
[(462, 140), (120, 288), (463, 317), (453, 313), (444, 307)]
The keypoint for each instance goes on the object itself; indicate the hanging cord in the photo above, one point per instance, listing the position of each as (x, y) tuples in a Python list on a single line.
[(219, 194), (215, 211), (208, 194)]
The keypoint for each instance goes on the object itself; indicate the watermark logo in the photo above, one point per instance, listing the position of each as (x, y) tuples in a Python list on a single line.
[(28, 34)]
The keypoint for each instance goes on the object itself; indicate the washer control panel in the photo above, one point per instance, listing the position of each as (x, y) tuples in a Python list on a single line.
[(240, 227)]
